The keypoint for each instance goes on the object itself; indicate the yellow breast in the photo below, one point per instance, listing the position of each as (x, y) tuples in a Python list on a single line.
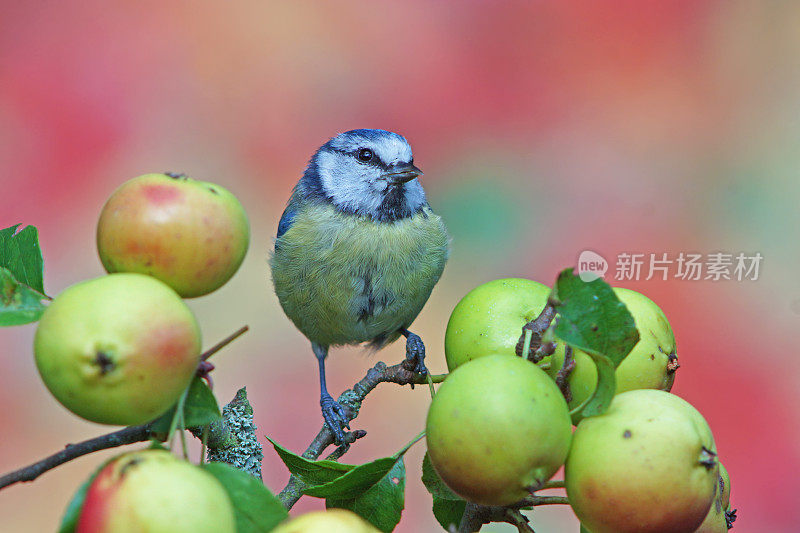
[(346, 279)]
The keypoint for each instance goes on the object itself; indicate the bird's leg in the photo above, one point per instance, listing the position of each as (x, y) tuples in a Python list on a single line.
[(333, 413), (415, 353)]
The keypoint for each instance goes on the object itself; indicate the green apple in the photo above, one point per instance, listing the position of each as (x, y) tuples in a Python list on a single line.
[(330, 521), (119, 349), (646, 465), (190, 234), (716, 520), (497, 428), (650, 365), (489, 319), (155, 492)]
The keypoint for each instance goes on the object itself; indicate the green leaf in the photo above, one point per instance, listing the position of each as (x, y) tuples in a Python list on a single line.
[(448, 512), (592, 318), (311, 473), (601, 397), (448, 507), (383, 503), (73, 512), (21, 255), (19, 304), (584, 530), (21, 274), (256, 508), (354, 482), (200, 409)]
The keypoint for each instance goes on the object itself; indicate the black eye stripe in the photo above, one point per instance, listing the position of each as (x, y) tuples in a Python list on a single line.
[(374, 162)]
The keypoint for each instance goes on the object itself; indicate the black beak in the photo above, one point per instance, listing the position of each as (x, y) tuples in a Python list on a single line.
[(402, 173)]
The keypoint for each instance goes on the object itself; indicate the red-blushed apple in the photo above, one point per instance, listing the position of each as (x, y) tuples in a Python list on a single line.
[(330, 521), (489, 319), (155, 492), (190, 234), (119, 349), (648, 464)]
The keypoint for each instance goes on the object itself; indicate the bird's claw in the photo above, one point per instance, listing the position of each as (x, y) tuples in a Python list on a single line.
[(415, 354), (335, 417)]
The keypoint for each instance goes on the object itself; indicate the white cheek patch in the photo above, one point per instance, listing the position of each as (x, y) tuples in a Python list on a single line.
[(349, 183)]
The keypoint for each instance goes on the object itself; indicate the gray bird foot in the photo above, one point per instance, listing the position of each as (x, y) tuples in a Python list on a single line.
[(415, 354), (335, 417)]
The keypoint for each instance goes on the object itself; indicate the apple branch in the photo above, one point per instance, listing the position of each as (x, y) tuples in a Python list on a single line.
[(128, 435), (351, 400)]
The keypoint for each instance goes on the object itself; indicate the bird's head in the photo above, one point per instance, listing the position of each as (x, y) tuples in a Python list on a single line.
[(367, 172)]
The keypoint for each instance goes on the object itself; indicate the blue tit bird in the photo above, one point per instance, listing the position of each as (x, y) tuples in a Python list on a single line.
[(358, 251)]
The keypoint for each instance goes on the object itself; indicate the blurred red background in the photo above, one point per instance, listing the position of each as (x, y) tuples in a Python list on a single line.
[(543, 128)]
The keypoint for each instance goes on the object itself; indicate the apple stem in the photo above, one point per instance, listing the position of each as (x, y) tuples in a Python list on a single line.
[(182, 432), (545, 500), (553, 484), (415, 440), (203, 444), (430, 385), (176, 417), (526, 343)]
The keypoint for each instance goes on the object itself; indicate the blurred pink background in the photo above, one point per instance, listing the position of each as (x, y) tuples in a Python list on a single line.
[(543, 128)]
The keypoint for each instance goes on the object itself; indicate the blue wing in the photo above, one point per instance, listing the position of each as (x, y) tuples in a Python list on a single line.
[(286, 220)]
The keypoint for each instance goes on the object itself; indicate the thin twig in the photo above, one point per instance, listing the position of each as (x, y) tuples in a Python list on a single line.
[(224, 342), (128, 435), (545, 500)]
